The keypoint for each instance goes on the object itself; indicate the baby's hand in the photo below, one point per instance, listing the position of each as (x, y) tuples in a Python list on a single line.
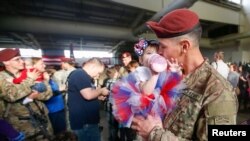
[(33, 74), (174, 66)]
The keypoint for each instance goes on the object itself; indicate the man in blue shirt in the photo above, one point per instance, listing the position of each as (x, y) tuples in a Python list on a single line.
[(83, 100)]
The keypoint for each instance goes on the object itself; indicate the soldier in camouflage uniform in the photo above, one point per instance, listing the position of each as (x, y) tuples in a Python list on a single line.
[(11, 94), (208, 98)]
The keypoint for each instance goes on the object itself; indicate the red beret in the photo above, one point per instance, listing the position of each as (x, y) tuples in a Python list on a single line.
[(7, 54), (175, 23)]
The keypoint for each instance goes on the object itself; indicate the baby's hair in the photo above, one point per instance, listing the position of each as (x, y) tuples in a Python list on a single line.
[(34, 60), (28, 62)]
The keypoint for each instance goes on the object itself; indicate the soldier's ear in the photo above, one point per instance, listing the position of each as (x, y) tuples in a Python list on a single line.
[(5, 63), (185, 45)]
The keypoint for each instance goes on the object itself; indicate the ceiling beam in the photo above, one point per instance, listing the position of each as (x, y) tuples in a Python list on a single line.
[(24, 41), (63, 27), (33, 39)]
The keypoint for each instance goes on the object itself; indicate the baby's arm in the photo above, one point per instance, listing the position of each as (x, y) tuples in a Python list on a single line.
[(147, 87), (156, 64), (146, 79)]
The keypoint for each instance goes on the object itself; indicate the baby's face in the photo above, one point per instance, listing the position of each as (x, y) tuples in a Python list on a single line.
[(146, 55), (40, 66)]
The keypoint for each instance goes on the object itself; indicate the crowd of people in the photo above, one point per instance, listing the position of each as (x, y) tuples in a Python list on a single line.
[(170, 93)]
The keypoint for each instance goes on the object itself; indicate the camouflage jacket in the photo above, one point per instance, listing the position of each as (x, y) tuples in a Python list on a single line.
[(208, 100), (11, 94)]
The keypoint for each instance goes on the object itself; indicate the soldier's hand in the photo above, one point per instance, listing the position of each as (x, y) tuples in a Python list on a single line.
[(144, 126), (104, 91), (10, 80), (33, 74)]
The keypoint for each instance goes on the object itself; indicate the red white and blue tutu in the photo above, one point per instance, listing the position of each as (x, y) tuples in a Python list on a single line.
[(128, 100)]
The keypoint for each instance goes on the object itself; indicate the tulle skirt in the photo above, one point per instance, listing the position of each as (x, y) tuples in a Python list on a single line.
[(128, 101)]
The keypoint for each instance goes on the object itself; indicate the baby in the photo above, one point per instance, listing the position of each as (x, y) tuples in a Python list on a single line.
[(150, 89), (33, 64)]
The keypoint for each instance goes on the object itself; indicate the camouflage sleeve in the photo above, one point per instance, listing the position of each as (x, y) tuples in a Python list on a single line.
[(47, 94), (159, 134), (12, 92)]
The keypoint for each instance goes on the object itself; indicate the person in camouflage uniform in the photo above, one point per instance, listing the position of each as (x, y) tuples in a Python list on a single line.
[(208, 98), (11, 108)]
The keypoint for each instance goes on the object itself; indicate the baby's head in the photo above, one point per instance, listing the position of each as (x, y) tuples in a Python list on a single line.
[(145, 48), (28, 63), (38, 64), (148, 56)]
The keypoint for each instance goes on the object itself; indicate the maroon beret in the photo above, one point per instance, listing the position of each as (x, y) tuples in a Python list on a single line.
[(7, 54), (176, 23)]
